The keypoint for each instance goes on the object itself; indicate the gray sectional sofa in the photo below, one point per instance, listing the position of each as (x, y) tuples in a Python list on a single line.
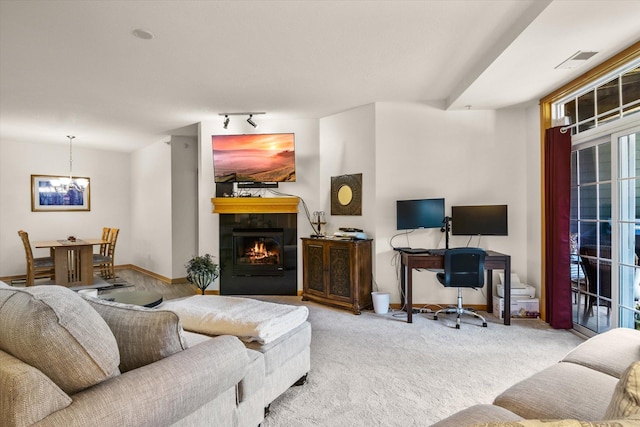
[(69, 361), (597, 383)]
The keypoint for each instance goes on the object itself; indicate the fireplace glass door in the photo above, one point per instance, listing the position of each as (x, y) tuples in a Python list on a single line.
[(258, 252)]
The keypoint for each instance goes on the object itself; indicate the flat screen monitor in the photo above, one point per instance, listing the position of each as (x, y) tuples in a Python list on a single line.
[(254, 158), (487, 220), (420, 213)]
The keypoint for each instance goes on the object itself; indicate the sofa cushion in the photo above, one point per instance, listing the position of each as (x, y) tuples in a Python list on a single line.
[(626, 398), (27, 394), (478, 414), (562, 423), (595, 353), (564, 390), (56, 331), (165, 392), (193, 338), (144, 335)]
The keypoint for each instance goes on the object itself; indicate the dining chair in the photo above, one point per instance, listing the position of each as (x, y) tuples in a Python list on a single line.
[(463, 268), (105, 238), (103, 261), (598, 274), (36, 267), (103, 252)]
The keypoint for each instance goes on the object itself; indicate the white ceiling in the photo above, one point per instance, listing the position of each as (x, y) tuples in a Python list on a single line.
[(74, 67)]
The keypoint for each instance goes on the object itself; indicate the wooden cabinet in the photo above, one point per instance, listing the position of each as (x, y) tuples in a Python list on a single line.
[(337, 272)]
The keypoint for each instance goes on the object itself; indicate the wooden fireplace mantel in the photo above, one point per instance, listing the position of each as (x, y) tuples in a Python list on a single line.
[(235, 205)]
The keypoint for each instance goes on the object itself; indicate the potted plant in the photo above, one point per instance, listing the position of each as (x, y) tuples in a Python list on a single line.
[(202, 271)]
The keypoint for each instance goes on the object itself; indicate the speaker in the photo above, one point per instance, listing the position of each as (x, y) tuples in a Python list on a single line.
[(224, 189), (257, 185)]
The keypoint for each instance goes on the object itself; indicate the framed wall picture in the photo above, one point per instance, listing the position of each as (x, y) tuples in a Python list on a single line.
[(346, 194), (49, 194)]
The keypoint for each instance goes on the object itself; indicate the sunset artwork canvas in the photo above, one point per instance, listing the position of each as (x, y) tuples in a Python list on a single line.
[(254, 158)]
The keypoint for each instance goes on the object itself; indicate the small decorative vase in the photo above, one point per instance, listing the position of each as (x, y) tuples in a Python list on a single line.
[(203, 280)]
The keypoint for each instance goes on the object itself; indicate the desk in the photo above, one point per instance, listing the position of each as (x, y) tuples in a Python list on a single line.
[(493, 260), (73, 260)]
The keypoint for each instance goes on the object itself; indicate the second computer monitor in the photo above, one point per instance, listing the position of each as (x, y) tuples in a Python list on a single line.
[(487, 220)]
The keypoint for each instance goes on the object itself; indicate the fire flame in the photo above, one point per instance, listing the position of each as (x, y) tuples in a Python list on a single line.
[(259, 251)]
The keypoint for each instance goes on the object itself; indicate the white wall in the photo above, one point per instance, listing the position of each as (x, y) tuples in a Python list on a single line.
[(467, 157), (110, 198), (184, 202), (306, 185), (533, 155), (347, 146), (151, 236), (403, 151)]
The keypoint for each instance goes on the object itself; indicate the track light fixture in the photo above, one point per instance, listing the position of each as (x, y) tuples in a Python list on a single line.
[(225, 123)]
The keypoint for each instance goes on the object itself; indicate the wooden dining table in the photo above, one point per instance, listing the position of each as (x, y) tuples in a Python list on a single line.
[(73, 260)]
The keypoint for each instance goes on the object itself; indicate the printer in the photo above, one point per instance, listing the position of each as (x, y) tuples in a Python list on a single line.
[(518, 289)]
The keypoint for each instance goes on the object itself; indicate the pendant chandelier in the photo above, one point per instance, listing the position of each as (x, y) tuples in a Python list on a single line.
[(64, 184)]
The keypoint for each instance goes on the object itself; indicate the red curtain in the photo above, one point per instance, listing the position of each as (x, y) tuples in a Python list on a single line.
[(557, 184)]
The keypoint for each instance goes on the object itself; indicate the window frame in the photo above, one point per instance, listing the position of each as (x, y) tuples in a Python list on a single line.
[(628, 55)]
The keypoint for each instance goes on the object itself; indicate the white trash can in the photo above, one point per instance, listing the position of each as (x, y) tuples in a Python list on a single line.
[(380, 302)]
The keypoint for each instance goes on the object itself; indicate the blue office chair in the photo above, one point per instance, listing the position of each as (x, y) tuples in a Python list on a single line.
[(463, 268)]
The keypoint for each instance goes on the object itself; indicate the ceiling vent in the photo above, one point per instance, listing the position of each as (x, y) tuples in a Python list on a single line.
[(575, 60)]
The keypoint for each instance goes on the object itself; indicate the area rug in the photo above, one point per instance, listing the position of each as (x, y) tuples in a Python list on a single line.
[(378, 370)]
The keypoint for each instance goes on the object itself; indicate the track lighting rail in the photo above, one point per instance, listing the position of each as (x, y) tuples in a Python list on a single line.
[(249, 120)]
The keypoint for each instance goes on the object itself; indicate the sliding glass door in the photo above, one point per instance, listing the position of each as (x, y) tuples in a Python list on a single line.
[(629, 228), (591, 227), (605, 232)]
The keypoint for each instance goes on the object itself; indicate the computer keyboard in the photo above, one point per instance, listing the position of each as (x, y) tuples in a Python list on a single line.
[(436, 251), (415, 250)]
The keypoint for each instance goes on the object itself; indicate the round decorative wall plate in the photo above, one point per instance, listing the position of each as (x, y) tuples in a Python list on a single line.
[(346, 194)]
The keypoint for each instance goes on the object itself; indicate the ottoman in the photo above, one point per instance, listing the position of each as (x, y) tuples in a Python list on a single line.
[(277, 337)]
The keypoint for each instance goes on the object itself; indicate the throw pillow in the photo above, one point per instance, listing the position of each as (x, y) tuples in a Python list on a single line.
[(626, 397), (144, 335), (27, 395), (54, 330)]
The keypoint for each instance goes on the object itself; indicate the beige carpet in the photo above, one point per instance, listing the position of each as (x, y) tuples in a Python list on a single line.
[(377, 370)]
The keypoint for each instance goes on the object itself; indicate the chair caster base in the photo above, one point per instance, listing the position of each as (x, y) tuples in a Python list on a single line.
[(460, 311)]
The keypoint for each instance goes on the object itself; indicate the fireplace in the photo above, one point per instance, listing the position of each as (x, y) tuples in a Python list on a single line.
[(258, 252)]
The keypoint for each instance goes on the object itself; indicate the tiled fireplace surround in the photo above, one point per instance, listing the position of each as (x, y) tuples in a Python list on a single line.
[(258, 245)]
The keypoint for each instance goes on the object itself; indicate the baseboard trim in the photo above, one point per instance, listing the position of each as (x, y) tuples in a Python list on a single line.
[(147, 273), (152, 274), (436, 307)]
